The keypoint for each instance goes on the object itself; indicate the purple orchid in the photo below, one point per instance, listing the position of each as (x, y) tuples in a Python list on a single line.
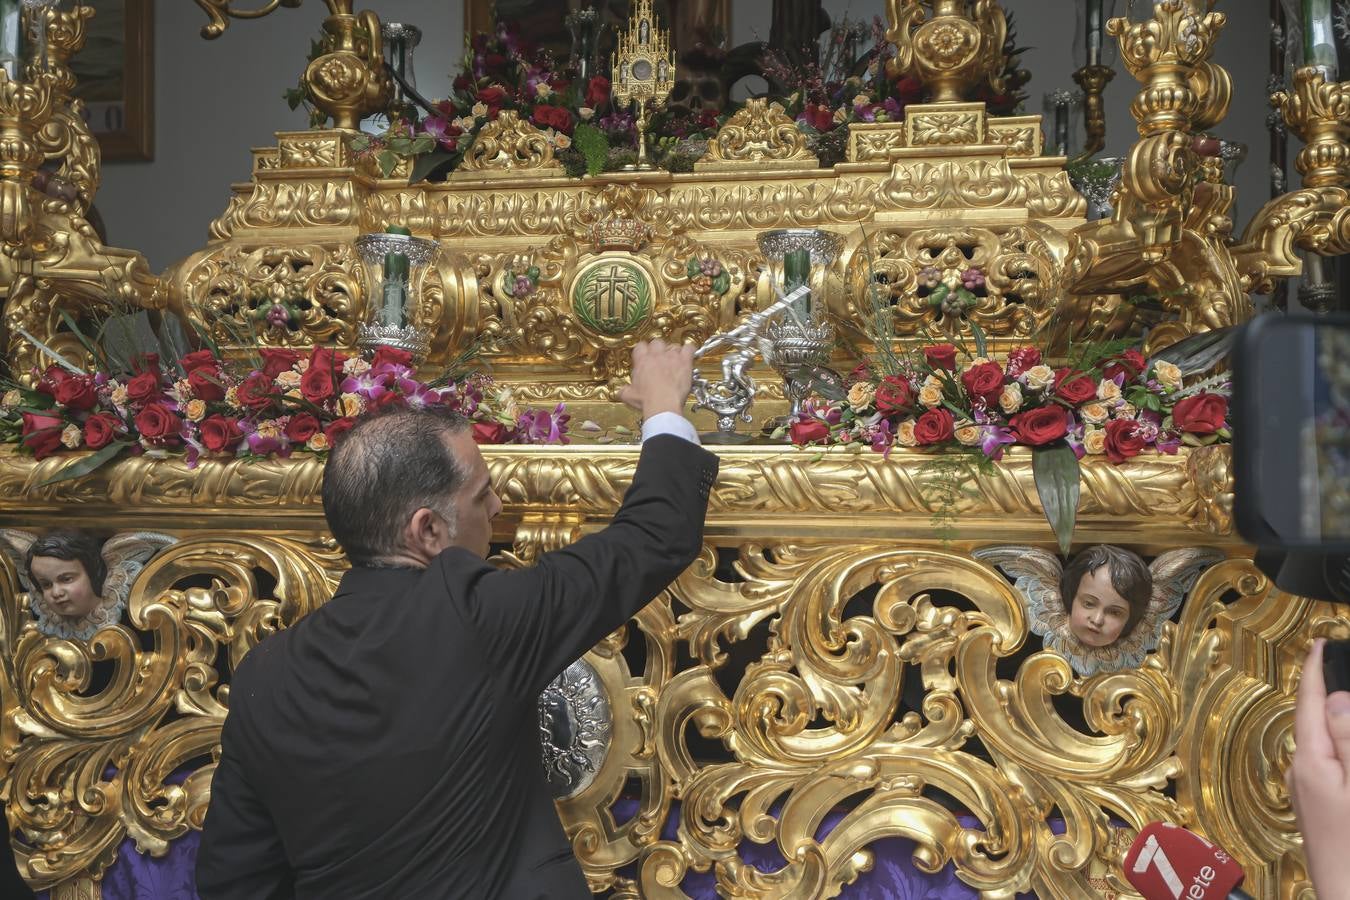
[(371, 385), (993, 438), (540, 426), (418, 395)]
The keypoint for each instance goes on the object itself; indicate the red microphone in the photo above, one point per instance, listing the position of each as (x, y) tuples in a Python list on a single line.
[(1167, 862)]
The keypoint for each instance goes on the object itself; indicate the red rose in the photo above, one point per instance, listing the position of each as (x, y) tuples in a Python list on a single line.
[(597, 92), (220, 433), (256, 392), (489, 432), (934, 427), (158, 424), (317, 384), (1201, 414), (1040, 425), (493, 97), (386, 355), (941, 356), (984, 381), (1130, 364), (53, 378), (909, 90), (821, 118), (206, 383), (861, 372), (1021, 359), (323, 358), (76, 392), (144, 387), (100, 429), (553, 117), (145, 362), (808, 430), (42, 434), (301, 428), (197, 359), (893, 395), (1123, 439), (1074, 387), (276, 361), (337, 428)]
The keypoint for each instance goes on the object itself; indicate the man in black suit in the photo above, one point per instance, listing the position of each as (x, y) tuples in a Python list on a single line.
[(387, 745)]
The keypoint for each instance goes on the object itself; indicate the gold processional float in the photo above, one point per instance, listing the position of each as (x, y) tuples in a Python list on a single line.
[(886, 708)]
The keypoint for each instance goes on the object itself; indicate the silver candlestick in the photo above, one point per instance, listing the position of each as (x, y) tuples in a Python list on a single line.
[(798, 346), (730, 398)]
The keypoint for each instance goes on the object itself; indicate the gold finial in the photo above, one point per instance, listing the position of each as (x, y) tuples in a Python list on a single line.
[(644, 69), (955, 48)]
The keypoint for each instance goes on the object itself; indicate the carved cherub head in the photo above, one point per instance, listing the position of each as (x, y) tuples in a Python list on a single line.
[(1106, 592), (67, 569)]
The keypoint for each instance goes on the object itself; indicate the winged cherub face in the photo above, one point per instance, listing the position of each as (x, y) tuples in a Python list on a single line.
[(66, 587), (1099, 613)]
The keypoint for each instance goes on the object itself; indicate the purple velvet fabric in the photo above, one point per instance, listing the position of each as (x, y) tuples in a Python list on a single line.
[(135, 876)]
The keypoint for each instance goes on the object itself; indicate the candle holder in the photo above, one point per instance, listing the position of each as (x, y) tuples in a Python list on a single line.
[(1096, 180), (797, 346), (396, 265)]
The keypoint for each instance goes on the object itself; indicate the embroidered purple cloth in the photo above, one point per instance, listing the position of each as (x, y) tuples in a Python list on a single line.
[(135, 876)]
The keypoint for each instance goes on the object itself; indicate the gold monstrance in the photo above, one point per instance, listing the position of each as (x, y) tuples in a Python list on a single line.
[(644, 69)]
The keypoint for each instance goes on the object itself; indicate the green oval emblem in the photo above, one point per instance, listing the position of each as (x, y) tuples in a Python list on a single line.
[(612, 297)]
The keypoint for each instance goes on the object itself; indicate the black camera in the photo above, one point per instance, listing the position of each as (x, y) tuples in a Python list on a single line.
[(1291, 454)]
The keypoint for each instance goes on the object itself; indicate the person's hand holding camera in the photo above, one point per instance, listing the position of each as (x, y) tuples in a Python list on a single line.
[(1319, 778)]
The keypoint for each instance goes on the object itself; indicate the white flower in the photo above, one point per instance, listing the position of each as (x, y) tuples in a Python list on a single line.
[(860, 396), (71, 436), (355, 367), (585, 113), (1094, 413), (11, 399), (1108, 390), (288, 379), (904, 434), (1168, 375), (196, 410), (542, 90), (1010, 401), (1038, 378), (1094, 441), (479, 110), (968, 434)]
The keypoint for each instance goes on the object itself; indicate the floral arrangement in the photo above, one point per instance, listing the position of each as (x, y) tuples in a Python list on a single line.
[(590, 133), (1108, 402), (202, 407)]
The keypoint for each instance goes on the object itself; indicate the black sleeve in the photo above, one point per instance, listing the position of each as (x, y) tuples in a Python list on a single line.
[(241, 856), (534, 622)]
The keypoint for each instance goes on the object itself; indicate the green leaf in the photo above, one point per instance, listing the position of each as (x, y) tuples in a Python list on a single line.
[(593, 144), (692, 268), (359, 144), (981, 346), (388, 161), (429, 163), (97, 355), (294, 97), (722, 283), (423, 143), (87, 464), (1056, 472)]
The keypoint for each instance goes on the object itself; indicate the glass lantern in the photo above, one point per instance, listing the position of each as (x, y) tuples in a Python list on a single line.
[(396, 264), (1092, 46)]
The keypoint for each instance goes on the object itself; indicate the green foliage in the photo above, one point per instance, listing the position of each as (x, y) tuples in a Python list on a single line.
[(593, 146), (947, 479), (1055, 469)]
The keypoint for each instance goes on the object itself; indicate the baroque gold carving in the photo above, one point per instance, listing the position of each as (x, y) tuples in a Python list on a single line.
[(956, 46), (944, 124), (508, 146), (976, 183), (872, 141), (233, 288), (759, 136)]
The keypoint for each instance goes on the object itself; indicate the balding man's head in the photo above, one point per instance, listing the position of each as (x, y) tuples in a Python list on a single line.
[(382, 472)]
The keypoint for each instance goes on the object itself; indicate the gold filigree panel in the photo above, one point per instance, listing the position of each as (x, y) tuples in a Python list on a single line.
[(759, 136)]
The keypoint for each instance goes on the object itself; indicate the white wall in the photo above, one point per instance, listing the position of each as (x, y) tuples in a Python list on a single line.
[(216, 99)]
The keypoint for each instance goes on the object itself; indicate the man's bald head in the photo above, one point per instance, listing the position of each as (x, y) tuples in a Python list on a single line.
[(385, 469)]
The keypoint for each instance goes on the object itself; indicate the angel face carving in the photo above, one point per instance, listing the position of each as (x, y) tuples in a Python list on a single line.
[(1110, 589), (67, 572), (64, 585), (75, 586), (1105, 611)]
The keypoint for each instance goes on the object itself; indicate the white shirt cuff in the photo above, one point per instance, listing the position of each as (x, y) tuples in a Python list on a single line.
[(669, 423)]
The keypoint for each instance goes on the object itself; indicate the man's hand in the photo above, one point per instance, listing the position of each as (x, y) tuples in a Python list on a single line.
[(662, 377), (1319, 778)]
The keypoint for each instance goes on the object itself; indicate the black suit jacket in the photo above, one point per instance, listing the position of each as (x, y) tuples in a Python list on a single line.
[(387, 745)]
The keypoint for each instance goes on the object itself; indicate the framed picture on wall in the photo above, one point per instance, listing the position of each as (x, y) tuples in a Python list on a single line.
[(115, 78)]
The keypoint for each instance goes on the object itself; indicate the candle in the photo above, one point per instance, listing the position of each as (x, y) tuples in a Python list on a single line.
[(797, 272), (395, 287), (11, 39), (1094, 32), (1319, 38)]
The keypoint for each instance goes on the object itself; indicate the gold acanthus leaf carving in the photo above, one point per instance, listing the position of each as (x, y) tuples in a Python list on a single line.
[(760, 135), (975, 184), (507, 145)]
